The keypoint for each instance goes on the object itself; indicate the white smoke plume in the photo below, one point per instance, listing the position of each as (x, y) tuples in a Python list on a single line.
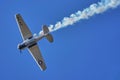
[(93, 9)]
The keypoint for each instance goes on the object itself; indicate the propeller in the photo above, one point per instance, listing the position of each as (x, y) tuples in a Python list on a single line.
[(20, 51)]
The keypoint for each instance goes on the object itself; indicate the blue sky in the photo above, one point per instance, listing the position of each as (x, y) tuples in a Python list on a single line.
[(87, 50)]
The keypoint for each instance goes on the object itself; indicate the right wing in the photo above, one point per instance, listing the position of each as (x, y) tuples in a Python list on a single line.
[(35, 52), (24, 30)]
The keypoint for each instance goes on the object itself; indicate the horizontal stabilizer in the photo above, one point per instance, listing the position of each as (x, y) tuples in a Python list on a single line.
[(45, 29), (49, 38), (48, 35)]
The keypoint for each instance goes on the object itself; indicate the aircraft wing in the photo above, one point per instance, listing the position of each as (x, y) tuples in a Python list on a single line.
[(24, 30), (35, 52)]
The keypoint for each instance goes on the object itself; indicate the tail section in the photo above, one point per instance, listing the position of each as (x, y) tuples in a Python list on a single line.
[(47, 34)]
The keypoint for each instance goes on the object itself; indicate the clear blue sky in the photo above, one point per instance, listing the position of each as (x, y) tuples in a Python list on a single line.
[(87, 50)]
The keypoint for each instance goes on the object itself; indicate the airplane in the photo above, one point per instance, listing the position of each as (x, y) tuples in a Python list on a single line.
[(30, 41)]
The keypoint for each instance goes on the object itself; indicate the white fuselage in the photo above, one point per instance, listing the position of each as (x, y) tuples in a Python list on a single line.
[(31, 41)]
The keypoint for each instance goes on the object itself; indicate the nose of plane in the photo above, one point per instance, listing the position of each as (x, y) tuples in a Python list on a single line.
[(18, 46)]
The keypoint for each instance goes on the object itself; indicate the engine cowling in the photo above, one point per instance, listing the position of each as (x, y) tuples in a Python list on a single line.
[(21, 46)]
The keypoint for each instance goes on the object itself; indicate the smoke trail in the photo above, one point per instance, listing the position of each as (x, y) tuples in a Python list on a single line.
[(93, 9)]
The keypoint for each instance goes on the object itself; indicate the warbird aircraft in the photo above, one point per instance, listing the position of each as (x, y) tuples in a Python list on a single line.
[(30, 41)]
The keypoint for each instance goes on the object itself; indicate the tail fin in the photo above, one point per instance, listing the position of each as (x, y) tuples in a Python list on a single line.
[(48, 35)]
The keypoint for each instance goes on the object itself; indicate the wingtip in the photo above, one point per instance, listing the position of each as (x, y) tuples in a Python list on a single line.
[(18, 14), (42, 65), (44, 69)]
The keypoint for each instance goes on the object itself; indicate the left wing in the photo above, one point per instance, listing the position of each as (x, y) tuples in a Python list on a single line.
[(35, 52), (24, 30)]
